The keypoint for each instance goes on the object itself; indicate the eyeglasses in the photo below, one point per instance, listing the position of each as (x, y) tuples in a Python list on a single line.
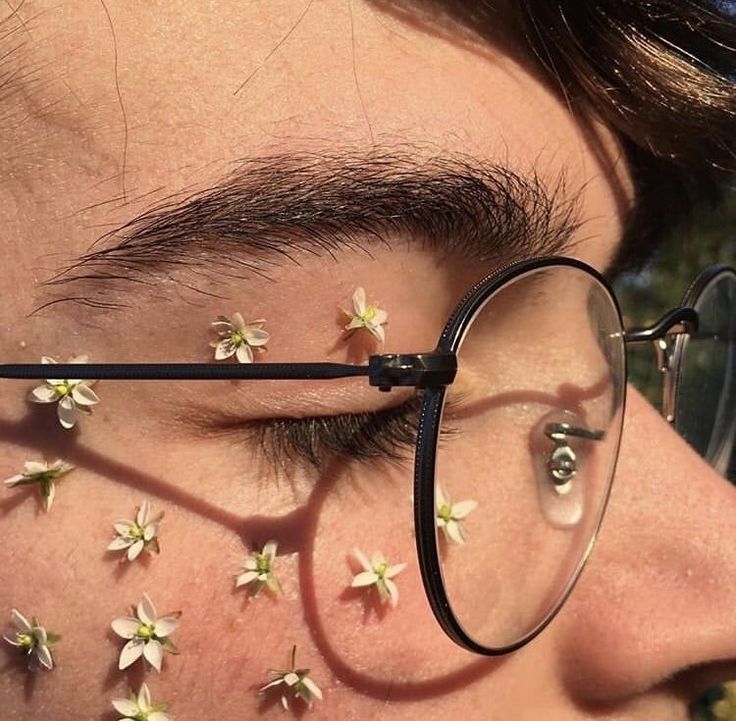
[(521, 410)]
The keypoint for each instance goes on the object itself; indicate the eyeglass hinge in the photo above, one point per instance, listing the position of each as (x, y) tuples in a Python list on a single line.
[(421, 370)]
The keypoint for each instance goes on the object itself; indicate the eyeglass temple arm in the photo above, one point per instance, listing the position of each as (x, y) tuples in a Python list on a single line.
[(435, 368), (675, 321)]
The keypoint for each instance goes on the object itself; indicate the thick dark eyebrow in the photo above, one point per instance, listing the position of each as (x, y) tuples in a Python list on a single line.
[(273, 209)]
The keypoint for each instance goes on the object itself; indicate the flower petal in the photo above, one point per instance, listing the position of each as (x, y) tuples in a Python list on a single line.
[(43, 394), (84, 395), (462, 509), (270, 549), (237, 321), (224, 349), (393, 592), (123, 527), (379, 317), (135, 550), (359, 301), (392, 571), (377, 331), (453, 530), (153, 653), (363, 560), (257, 337), (158, 716), (244, 354), (315, 690), (143, 513), (44, 656), (67, 412), (131, 653), (245, 578), (126, 707), (150, 531), (146, 610), (20, 621), (10, 482), (125, 627), (144, 698), (271, 684), (166, 625), (364, 578), (119, 544), (33, 468), (48, 492)]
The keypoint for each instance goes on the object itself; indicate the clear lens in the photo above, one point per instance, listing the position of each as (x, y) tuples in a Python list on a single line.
[(529, 437), (706, 385)]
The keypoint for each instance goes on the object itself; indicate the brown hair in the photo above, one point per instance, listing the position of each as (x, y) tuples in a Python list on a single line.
[(662, 73)]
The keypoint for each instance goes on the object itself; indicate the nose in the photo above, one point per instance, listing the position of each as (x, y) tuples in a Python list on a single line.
[(659, 591)]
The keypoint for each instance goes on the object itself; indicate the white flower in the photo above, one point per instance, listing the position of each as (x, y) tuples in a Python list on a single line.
[(238, 338), (377, 572), (134, 536), (140, 708), (148, 635), (450, 515), (74, 396), (366, 316), (42, 473), (33, 639), (257, 570), (294, 683)]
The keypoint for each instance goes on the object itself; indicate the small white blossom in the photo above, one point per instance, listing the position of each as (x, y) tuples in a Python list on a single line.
[(73, 396), (294, 683), (147, 635), (238, 338), (140, 708), (366, 316), (43, 474), (377, 572), (258, 570), (135, 536), (33, 639), (450, 515)]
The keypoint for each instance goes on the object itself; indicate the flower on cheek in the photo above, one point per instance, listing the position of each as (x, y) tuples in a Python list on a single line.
[(33, 639), (366, 316), (294, 683), (72, 396), (147, 635), (238, 338), (258, 572), (43, 474), (377, 572), (140, 708), (136, 536), (450, 515)]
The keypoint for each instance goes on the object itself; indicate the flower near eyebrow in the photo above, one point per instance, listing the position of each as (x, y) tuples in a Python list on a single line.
[(450, 515), (43, 474), (366, 316), (135, 536), (294, 683), (258, 572), (33, 640), (377, 572), (72, 395), (238, 338), (140, 708), (147, 635)]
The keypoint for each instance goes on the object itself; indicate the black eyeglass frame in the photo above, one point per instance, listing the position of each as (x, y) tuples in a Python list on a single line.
[(431, 372)]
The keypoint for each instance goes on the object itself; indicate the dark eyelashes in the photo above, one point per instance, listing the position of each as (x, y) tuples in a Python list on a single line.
[(388, 435)]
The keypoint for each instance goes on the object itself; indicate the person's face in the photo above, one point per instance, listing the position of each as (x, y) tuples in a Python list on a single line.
[(330, 114)]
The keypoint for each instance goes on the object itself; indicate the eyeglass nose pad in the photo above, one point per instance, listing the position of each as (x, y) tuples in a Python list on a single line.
[(559, 468)]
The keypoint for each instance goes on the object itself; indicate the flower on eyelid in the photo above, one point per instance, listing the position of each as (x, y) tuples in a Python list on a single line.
[(258, 571), (33, 640), (450, 515), (366, 316), (238, 338), (377, 572), (140, 708), (725, 708), (43, 474), (135, 536), (73, 396), (294, 683), (147, 635)]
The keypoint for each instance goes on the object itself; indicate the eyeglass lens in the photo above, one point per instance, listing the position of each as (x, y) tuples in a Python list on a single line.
[(705, 398), (528, 442)]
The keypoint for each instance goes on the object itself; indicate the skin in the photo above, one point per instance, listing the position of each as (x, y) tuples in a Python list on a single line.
[(650, 622)]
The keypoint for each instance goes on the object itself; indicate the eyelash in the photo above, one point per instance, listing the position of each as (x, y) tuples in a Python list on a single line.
[(387, 434)]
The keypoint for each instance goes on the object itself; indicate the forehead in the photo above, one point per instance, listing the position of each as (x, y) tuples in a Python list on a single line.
[(122, 104)]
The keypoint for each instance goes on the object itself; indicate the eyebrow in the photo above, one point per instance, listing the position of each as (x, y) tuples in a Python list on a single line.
[(272, 209)]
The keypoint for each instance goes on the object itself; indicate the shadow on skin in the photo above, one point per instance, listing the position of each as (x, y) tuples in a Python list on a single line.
[(295, 532)]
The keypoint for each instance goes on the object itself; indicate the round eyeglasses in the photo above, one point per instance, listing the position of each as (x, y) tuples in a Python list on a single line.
[(521, 412)]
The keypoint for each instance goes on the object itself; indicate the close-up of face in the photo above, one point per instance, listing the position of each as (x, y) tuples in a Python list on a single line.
[(253, 183)]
